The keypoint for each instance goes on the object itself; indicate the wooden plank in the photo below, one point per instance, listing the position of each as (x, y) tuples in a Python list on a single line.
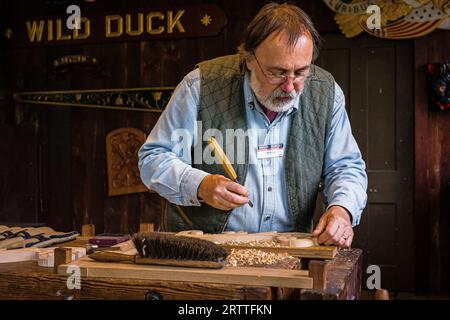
[(422, 226), (18, 255), (318, 270), (343, 279), (62, 256), (226, 237), (88, 164), (228, 275), (18, 173), (26, 280), (314, 252), (433, 186)]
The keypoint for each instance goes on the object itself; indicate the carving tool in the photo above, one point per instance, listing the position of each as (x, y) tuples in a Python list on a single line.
[(225, 162)]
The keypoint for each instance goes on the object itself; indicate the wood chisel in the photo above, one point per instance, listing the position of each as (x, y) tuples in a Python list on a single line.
[(225, 162)]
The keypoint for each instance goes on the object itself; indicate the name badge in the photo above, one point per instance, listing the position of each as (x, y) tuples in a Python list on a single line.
[(270, 151)]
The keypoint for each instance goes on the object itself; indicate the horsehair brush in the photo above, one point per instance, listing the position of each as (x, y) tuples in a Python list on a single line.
[(159, 248)]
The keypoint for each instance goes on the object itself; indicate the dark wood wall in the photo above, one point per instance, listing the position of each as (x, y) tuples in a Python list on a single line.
[(376, 77), (432, 172)]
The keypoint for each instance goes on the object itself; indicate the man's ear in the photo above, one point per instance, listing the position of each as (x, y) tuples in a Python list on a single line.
[(248, 64)]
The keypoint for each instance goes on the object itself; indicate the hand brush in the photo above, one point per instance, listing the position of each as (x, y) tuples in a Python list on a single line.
[(159, 248), (226, 164)]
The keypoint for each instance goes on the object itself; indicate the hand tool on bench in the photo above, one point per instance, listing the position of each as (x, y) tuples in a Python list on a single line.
[(157, 248)]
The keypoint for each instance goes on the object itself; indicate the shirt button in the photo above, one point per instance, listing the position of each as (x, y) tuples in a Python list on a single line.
[(269, 189), (267, 218), (192, 201)]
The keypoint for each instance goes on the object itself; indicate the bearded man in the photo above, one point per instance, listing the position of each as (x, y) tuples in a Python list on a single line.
[(296, 133)]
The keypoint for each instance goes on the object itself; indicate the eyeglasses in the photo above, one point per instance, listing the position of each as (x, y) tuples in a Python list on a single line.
[(277, 79)]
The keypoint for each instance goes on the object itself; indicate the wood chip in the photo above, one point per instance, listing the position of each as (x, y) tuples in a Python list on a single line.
[(255, 258), (261, 243)]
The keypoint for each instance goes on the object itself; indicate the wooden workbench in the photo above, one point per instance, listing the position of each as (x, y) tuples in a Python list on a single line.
[(26, 280)]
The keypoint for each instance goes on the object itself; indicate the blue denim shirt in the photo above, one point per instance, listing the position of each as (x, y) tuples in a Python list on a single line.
[(166, 169)]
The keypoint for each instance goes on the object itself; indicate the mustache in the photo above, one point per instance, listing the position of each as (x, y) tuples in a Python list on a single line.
[(281, 94)]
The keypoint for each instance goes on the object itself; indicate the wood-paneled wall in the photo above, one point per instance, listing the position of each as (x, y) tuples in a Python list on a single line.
[(5, 106), (432, 173)]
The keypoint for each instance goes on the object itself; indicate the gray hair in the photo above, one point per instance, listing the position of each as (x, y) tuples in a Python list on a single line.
[(274, 17)]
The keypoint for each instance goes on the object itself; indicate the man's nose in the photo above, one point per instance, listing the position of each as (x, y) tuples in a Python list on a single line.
[(288, 86)]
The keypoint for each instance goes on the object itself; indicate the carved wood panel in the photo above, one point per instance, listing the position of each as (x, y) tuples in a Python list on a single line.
[(122, 146)]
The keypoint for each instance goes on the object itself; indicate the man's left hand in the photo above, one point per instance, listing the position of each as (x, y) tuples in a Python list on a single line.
[(335, 228)]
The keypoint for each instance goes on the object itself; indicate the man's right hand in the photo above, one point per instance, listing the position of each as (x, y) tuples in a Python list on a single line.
[(222, 193)]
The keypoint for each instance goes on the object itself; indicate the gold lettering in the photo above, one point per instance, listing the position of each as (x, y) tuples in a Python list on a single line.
[(171, 23), (59, 35), (87, 29), (35, 31), (119, 31), (140, 28), (50, 30), (150, 17)]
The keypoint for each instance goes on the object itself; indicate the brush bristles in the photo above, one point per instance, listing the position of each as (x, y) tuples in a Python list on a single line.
[(167, 246)]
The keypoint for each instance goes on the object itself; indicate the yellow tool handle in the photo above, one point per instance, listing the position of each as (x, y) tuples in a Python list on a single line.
[(222, 158)]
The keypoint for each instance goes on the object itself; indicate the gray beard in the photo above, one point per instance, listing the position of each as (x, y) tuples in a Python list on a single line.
[(282, 106), (277, 107)]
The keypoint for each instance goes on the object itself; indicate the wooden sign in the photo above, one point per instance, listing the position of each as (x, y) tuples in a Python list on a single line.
[(152, 99), (63, 65), (191, 21)]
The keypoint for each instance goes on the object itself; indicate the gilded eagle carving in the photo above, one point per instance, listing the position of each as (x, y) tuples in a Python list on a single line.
[(400, 19)]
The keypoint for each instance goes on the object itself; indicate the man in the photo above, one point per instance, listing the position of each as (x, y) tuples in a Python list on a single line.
[(296, 132)]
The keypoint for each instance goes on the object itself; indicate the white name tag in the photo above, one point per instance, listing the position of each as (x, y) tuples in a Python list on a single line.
[(270, 151)]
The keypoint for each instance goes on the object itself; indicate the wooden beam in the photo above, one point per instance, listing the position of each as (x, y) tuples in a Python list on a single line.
[(318, 270), (253, 276), (62, 256)]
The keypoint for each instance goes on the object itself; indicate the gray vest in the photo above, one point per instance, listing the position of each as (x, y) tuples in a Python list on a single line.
[(222, 107)]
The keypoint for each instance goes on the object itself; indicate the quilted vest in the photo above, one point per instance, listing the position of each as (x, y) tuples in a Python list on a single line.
[(222, 107)]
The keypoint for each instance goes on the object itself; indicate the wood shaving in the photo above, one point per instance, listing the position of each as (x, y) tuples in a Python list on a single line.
[(261, 243), (290, 242), (255, 258)]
